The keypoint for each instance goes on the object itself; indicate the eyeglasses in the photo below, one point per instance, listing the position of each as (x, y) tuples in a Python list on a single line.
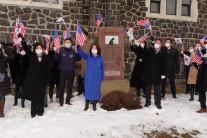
[(205, 42)]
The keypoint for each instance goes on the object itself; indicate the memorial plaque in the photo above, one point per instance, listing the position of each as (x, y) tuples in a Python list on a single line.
[(111, 41)]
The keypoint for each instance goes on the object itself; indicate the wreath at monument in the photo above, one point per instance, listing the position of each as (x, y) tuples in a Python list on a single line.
[(116, 100)]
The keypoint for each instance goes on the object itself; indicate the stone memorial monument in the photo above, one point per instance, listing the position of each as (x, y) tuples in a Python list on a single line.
[(111, 41)]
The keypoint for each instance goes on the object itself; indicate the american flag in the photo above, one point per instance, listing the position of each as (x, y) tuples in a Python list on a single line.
[(99, 19), (143, 38), (57, 40), (81, 36), (144, 23), (203, 39), (197, 57), (47, 41), (18, 28), (66, 35)]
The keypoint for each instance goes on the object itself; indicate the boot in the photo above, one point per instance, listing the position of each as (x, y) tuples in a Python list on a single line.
[(94, 105), (22, 103), (15, 101), (191, 96), (202, 110), (86, 105), (2, 103)]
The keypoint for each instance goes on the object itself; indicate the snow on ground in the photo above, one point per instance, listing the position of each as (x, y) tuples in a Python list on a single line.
[(71, 121)]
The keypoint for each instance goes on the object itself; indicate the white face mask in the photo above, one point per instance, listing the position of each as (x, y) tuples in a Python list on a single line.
[(39, 51), (205, 46), (157, 46), (167, 45), (67, 45), (23, 53), (94, 51), (142, 45), (55, 49), (191, 50)]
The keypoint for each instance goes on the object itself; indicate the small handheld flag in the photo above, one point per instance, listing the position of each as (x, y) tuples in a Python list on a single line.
[(47, 41), (99, 20), (129, 33), (144, 23), (66, 35), (81, 36), (18, 28), (143, 38), (203, 39), (197, 57), (57, 40), (178, 40), (186, 59)]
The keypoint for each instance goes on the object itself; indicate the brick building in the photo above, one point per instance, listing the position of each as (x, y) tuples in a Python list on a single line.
[(169, 18)]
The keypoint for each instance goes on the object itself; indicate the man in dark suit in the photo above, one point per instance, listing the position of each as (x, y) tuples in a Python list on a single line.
[(173, 66), (154, 70)]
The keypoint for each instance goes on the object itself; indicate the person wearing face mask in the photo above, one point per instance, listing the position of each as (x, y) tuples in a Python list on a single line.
[(94, 74), (67, 58), (21, 66), (37, 77), (135, 80), (154, 71), (7, 54), (201, 80), (173, 66), (55, 75), (187, 67)]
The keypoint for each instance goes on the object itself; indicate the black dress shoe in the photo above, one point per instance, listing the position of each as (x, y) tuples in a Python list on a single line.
[(159, 106), (147, 105), (33, 116), (174, 96)]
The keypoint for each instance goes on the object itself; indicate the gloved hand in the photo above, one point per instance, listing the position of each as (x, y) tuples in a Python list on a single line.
[(163, 77), (20, 37)]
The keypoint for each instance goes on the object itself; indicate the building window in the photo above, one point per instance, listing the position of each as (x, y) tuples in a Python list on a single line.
[(186, 4), (183, 10), (155, 6), (56, 4), (171, 6)]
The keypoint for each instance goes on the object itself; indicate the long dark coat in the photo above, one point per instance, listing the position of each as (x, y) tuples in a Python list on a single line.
[(201, 80), (55, 73), (138, 67), (173, 64), (37, 76), (5, 85), (155, 66)]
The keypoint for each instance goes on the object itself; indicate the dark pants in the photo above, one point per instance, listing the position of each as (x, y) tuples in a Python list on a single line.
[(80, 84), (143, 86), (157, 93), (172, 85), (202, 97), (69, 77), (186, 78), (37, 107), (51, 89), (18, 85), (192, 89)]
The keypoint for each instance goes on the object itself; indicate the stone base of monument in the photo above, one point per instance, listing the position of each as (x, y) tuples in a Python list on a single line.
[(108, 86)]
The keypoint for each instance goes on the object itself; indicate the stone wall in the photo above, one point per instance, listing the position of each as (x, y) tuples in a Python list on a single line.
[(116, 13)]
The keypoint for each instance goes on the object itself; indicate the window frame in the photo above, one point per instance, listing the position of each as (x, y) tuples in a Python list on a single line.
[(175, 8), (189, 8), (34, 4), (162, 15), (151, 6)]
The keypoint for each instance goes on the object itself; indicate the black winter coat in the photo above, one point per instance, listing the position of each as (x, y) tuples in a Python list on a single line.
[(202, 75), (173, 64), (155, 66), (5, 85), (55, 73), (37, 76), (138, 67)]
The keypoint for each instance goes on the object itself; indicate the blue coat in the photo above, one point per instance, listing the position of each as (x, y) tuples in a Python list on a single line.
[(94, 75)]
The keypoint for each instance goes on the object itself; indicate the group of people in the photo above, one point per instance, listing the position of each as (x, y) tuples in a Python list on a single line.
[(157, 63), (34, 69)]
